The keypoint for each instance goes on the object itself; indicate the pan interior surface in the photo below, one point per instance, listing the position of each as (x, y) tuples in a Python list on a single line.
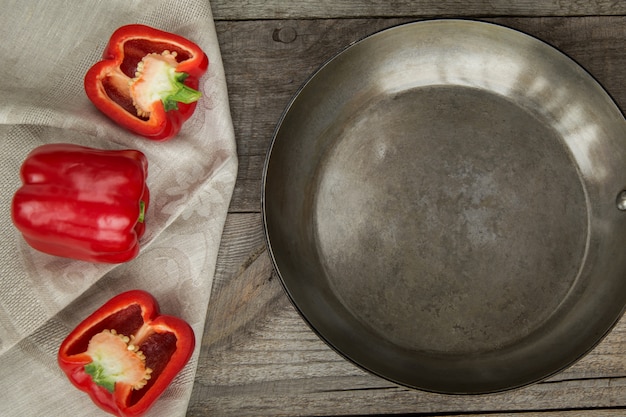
[(439, 202), (441, 215)]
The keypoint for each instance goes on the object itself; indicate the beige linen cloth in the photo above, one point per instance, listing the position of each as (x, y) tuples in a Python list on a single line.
[(46, 48)]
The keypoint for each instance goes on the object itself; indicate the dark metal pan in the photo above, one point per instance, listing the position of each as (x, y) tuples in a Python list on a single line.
[(443, 204)]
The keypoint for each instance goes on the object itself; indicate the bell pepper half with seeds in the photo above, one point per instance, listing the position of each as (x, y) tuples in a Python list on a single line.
[(83, 203), (125, 354), (147, 80)]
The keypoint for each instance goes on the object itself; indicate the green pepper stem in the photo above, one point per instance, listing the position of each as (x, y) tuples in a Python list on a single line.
[(99, 376), (142, 212), (184, 94)]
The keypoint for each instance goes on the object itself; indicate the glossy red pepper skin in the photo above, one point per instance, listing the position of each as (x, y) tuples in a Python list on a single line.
[(83, 203), (128, 312), (106, 83)]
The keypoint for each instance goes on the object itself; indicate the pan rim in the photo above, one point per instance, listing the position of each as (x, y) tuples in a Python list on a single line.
[(271, 249)]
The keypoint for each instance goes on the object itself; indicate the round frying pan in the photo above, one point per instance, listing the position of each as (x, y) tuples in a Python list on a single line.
[(443, 203)]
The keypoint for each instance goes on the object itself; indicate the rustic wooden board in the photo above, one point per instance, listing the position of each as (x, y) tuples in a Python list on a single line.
[(264, 73), (258, 356), (575, 413), (277, 9)]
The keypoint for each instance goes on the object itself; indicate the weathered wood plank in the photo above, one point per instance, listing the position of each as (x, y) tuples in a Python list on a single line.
[(266, 374), (570, 413), (260, 358), (277, 400), (263, 72), (244, 288), (277, 9)]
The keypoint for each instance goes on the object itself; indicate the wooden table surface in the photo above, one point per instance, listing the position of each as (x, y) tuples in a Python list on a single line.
[(258, 357)]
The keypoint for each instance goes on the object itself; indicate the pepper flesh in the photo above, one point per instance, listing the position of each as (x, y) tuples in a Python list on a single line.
[(108, 84), (83, 203), (157, 347)]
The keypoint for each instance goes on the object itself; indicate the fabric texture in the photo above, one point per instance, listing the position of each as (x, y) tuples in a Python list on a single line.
[(47, 47)]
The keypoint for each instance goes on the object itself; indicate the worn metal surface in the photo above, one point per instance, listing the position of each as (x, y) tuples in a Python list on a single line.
[(441, 204)]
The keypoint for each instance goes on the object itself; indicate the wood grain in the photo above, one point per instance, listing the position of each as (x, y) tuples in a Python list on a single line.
[(263, 74), (277, 9), (258, 357)]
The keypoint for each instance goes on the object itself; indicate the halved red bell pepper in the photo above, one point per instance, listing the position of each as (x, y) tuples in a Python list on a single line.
[(147, 81), (83, 203), (126, 353)]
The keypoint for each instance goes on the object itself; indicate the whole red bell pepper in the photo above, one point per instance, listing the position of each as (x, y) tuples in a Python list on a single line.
[(83, 203), (147, 81), (126, 353)]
